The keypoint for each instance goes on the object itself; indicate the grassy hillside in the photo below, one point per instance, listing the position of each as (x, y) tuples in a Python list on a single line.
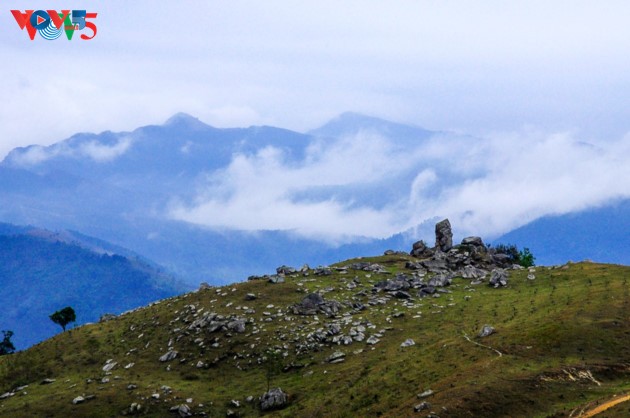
[(562, 344)]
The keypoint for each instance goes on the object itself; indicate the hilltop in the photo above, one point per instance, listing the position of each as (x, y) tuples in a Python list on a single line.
[(453, 330)]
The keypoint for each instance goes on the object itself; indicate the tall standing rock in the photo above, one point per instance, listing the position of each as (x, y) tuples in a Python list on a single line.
[(443, 236)]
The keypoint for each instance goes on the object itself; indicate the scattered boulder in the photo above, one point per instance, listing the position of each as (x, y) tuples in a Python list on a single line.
[(314, 303), (486, 330), (372, 340), (443, 236), (408, 343), (285, 270), (250, 297), (472, 272), (106, 317), (498, 278), (275, 279), (336, 357), (422, 406), (322, 271), (237, 325), (47, 381), (78, 400), (425, 394), (204, 286), (170, 355), (421, 250), (109, 365), (273, 399), (182, 410)]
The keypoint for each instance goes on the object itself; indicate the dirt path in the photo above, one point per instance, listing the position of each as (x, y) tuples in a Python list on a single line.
[(601, 408)]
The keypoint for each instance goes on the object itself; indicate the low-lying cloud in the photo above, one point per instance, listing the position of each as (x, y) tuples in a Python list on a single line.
[(486, 186), (93, 149)]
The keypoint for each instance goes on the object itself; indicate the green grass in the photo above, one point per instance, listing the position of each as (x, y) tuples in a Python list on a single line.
[(569, 320)]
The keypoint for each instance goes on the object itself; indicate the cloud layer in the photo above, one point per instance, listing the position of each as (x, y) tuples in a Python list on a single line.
[(366, 185)]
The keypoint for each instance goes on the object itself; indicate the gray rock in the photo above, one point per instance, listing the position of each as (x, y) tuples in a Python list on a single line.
[(237, 325), (6, 395), (314, 303), (402, 295), (439, 280), (408, 343), (204, 286), (472, 272), (337, 357), (372, 340), (273, 399), (250, 296), (435, 265), (443, 236), (498, 278), (109, 365), (275, 279), (474, 241), (286, 270), (47, 381), (425, 394), (423, 406), (421, 250), (170, 355), (183, 411), (486, 331), (322, 271), (107, 317), (78, 400)]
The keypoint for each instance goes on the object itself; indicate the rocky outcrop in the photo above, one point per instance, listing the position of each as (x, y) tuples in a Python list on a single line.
[(443, 236), (314, 303)]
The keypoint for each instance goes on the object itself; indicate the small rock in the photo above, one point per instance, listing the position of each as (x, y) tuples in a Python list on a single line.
[(170, 355), (498, 278), (336, 357), (184, 411), (422, 406), (408, 343), (109, 365), (425, 394), (372, 340), (273, 399), (486, 331), (47, 381), (78, 400), (250, 296)]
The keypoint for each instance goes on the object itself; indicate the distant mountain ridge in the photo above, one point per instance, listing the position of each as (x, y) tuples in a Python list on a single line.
[(122, 186), (42, 271)]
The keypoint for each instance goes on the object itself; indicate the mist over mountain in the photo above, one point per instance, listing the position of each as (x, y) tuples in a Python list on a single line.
[(217, 205)]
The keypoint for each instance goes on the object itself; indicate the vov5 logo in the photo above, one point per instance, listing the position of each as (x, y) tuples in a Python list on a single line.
[(51, 24)]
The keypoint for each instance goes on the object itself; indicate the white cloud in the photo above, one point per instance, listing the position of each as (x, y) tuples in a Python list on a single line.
[(485, 186), (92, 149)]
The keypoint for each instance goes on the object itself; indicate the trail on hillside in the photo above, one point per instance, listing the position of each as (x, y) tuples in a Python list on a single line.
[(603, 407), (484, 346)]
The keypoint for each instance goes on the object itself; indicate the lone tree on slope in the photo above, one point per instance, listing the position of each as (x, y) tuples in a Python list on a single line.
[(6, 346), (64, 317)]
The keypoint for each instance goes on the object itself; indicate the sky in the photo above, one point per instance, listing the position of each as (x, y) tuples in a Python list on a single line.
[(476, 67), (535, 80)]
